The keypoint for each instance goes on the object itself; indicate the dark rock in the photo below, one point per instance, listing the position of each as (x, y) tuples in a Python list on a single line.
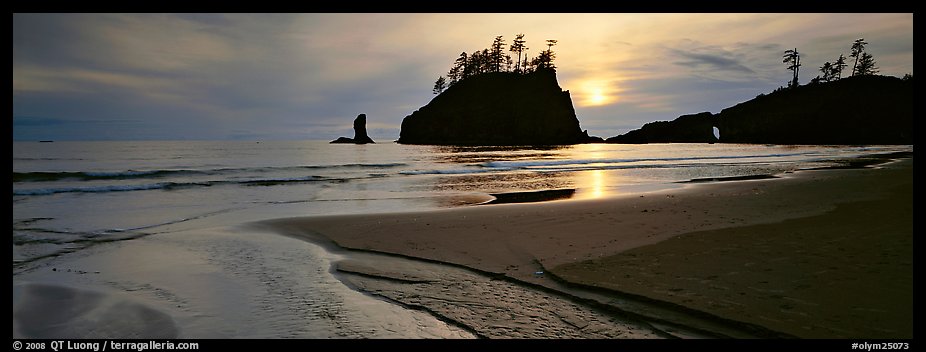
[(360, 132), (503, 108), (590, 139), (343, 140), (697, 128), (853, 110)]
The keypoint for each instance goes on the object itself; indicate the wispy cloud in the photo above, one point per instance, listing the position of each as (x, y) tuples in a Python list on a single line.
[(260, 75), (712, 61)]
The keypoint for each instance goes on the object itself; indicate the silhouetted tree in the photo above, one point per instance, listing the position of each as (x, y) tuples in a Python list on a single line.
[(477, 63), (858, 47), (838, 66), (828, 73), (517, 45), (453, 76), (551, 43), (544, 61), (497, 53), (458, 71), (793, 58), (866, 65), (494, 59), (530, 65), (907, 77), (440, 85)]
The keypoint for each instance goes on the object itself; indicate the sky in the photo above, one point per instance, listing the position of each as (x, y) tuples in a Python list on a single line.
[(307, 76)]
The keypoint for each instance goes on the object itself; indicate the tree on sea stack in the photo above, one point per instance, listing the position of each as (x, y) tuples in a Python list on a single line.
[(546, 57), (440, 85), (858, 47), (551, 43), (497, 53), (494, 101), (828, 73), (457, 70), (793, 58), (866, 65), (839, 66), (517, 45)]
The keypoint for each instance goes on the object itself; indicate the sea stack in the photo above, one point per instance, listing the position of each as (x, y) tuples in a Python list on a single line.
[(360, 132), (502, 108)]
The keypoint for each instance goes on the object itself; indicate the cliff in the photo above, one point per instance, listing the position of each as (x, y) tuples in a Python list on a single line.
[(503, 108), (854, 110)]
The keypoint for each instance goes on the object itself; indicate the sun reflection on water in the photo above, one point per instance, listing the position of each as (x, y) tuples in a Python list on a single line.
[(592, 184), (582, 171)]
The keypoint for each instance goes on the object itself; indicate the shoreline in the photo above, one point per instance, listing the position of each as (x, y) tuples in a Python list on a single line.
[(516, 241), (523, 268)]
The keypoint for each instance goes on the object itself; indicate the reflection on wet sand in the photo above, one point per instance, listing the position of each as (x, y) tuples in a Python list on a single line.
[(503, 182), (519, 186), (593, 182)]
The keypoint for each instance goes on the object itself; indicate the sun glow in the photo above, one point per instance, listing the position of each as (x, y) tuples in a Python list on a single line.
[(597, 98), (595, 92), (597, 187)]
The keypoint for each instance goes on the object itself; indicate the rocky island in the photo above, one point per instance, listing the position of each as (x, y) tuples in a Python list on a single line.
[(501, 108), (490, 100)]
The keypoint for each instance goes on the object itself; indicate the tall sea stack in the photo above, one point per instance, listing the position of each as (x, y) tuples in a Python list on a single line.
[(360, 132), (503, 108)]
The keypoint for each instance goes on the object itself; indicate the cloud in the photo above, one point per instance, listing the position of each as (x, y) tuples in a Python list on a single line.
[(735, 62), (292, 75), (719, 61)]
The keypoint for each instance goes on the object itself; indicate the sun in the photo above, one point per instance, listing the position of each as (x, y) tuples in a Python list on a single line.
[(597, 98), (595, 92)]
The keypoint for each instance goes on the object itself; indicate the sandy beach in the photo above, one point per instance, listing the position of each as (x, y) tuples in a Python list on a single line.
[(810, 254), (218, 283)]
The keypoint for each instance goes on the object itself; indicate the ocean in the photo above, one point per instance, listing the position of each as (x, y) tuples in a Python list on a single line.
[(75, 198)]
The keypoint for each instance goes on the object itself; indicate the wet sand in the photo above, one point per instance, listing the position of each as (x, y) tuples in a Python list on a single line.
[(847, 273), (484, 305), (816, 254), (217, 283), (48, 311)]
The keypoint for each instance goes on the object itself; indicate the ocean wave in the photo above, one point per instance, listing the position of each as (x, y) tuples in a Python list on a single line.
[(100, 189), (170, 185), (571, 166), (454, 171), (52, 176), (565, 162), (382, 165), (284, 181)]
